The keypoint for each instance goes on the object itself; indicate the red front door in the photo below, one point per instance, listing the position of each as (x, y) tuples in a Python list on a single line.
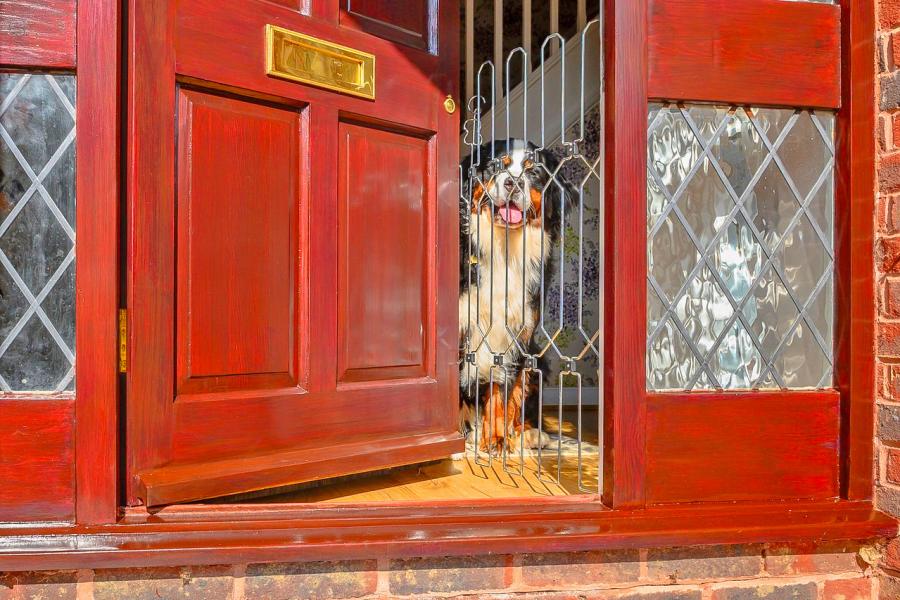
[(292, 257)]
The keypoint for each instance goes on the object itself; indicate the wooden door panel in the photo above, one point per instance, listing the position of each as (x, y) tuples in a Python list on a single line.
[(237, 251), (292, 239), (385, 197), (411, 26), (292, 4), (226, 48), (721, 447), (276, 420)]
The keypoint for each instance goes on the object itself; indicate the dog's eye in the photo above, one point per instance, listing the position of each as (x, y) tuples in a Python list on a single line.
[(529, 164)]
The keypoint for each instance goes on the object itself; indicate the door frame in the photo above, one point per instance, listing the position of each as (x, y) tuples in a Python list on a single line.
[(855, 179)]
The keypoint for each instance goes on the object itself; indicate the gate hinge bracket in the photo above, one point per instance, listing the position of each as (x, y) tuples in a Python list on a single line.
[(123, 340)]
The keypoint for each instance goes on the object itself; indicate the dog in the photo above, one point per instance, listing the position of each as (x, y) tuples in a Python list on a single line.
[(510, 219)]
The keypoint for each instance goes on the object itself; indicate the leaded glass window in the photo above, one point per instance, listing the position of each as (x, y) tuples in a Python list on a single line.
[(740, 252), (37, 232)]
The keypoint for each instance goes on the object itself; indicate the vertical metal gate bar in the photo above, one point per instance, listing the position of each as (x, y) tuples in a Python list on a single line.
[(504, 362), (470, 48), (498, 44)]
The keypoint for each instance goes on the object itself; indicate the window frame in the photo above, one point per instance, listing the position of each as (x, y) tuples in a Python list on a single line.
[(84, 456), (712, 52), (103, 534)]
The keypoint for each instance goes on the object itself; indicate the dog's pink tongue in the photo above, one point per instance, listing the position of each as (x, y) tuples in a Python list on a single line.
[(511, 214)]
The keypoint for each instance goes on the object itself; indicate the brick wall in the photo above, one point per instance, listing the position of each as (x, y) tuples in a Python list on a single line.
[(887, 442), (755, 572)]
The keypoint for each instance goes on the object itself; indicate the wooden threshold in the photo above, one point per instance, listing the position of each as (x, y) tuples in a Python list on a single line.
[(553, 474), (195, 481), (196, 535)]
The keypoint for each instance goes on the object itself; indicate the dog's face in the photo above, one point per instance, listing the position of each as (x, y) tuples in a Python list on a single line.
[(510, 188)]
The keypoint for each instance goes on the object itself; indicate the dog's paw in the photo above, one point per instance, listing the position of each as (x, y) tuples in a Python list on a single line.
[(532, 438)]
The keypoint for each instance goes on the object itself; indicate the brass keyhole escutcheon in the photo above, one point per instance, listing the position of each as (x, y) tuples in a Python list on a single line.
[(450, 105)]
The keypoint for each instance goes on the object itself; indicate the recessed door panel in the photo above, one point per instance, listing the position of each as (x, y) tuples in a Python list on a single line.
[(410, 26), (385, 196), (238, 197)]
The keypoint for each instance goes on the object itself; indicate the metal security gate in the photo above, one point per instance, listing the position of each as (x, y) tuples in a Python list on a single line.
[(531, 274)]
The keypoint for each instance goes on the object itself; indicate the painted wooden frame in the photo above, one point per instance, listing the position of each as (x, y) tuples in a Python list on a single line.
[(635, 72), (38, 36), (64, 473)]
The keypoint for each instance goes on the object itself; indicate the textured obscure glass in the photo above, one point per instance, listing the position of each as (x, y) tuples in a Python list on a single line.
[(37, 232), (741, 266)]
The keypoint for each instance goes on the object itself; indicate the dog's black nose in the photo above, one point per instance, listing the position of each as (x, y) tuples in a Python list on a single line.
[(508, 184)]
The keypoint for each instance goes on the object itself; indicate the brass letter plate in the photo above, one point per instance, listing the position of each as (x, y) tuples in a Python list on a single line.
[(303, 58)]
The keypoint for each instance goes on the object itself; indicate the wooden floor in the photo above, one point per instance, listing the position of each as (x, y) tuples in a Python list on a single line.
[(464, 478)]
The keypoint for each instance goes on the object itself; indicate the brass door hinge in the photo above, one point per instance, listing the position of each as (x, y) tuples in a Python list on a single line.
[(123, 340)]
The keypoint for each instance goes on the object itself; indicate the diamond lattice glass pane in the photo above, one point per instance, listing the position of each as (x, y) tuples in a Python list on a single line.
[(771, 204), (739, 151), (770, 312), (736, 363), (802, 361), (673, 149), (771, 123), (707, 119), (705, 203), (655, 309), (803, 259), (670, 363), (805, 154), (704, 311), (737, 256), (673, 250), (745, 270), (37, 232)]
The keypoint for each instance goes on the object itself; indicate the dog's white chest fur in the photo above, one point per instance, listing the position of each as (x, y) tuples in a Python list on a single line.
[(497, 314)]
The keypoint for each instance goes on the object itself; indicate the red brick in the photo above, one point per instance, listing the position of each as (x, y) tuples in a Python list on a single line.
[(889, 169), (889, 142), (887, 500), (889, 254), (311, 580), (719, 562), (889, 414), (848, 589), (812, 558), (6, 585), (888, 14), (889, 339), (577, 595), (889, 214), (889, 88), (890, 297), (449, 574), (55, 585), (199, 583), (894, 43), (882, 43), (664, 595), (564, 569), (888, 587), (891, 556), (803, 591), (893, 467)]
